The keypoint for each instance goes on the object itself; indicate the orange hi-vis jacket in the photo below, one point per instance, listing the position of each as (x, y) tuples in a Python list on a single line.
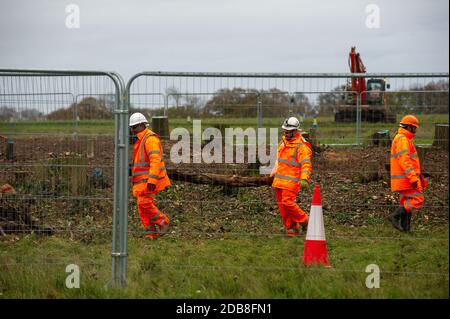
[(405, 164), (293, 163), (148, 166)]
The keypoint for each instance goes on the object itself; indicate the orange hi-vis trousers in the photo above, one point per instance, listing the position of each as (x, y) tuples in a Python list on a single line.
[(411, 199), (149, 213), (290, 212)]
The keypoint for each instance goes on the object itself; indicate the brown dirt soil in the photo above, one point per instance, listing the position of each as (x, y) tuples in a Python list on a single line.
[(354, 193)]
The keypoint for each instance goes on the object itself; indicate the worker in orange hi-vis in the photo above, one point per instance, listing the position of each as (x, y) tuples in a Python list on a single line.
[(406, 175), (148, 176), (291, 173)]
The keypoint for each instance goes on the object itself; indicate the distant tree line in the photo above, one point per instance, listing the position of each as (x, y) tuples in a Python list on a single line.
[(422, 101), (9, 113), (235, 102), (88, 108), (239, 102)]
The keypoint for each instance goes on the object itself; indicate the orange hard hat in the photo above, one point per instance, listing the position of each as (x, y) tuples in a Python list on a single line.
[(410, 120)]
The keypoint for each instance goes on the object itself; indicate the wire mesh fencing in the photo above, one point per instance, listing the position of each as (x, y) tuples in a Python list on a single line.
[(350, 132), (65, 153), (58, 166)]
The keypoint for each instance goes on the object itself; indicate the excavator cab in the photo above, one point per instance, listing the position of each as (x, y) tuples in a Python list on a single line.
[(375, 89)]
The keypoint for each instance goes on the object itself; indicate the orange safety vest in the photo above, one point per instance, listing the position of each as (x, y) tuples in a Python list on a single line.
[(405, 164), (148, 166), (293, 163)]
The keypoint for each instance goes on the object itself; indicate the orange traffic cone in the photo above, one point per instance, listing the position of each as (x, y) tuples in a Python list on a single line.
[(315, 251)]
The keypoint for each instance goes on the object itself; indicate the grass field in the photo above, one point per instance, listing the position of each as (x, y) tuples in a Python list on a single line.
[(328, 131), (411, 265)]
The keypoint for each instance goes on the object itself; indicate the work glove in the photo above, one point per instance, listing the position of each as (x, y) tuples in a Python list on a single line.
[(151, 187), (304, 184)]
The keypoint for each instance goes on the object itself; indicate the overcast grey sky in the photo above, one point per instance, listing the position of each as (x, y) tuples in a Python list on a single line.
[(225, 36)]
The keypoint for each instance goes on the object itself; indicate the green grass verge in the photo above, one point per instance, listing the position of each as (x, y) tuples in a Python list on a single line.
[(412, 266)]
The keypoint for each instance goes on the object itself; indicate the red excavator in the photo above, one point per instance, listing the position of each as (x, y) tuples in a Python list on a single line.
[(372, 96)]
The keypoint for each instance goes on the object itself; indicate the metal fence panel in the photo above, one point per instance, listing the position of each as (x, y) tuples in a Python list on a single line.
[(65, 156), (320, 100), (66, 145), (354, 178)]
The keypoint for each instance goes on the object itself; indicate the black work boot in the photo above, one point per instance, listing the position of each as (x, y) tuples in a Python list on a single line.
[(396, 218), (406, 221)]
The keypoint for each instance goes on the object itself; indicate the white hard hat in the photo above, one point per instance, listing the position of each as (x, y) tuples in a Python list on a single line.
[(291, 124), (137, 118)]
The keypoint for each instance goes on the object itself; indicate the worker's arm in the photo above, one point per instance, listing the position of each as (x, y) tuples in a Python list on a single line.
[(304, 158), (152, 147), (401, 151)]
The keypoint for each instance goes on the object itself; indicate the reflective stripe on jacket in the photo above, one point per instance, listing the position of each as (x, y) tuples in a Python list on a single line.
[(293, 163), (405, 165), (148, 166)]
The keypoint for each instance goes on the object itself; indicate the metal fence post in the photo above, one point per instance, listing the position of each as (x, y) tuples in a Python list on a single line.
[(291, 105), (259, 110), (119, 252), (358, 119), (115, 253), (166, 104), (123, 198), (120, 222)]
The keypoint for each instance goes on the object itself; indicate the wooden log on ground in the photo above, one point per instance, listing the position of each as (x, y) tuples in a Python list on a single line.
[(14, 220), (218, 179), (91, 142), (381, 138), (441, 135), (74, 170), (10, 150), (372, 172), (62, 174), (422, 151), (160, 125)]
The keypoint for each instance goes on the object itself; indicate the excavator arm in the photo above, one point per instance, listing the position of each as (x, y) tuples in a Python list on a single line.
[(357, 66)]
